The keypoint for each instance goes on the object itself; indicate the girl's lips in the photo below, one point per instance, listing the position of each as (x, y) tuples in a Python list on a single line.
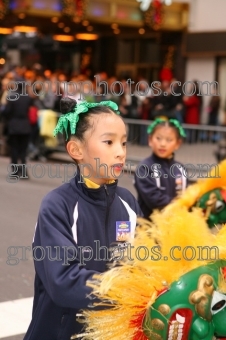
[(118, 166)]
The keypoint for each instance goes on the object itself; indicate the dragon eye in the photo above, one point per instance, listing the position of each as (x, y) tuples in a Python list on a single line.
[(218, 302), (219, 206), (219, 305)]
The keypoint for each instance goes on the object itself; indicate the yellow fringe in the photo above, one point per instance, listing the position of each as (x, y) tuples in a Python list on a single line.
[(133, 286)]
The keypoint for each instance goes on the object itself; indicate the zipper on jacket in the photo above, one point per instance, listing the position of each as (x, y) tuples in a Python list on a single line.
[(107, 213), (106, 189)]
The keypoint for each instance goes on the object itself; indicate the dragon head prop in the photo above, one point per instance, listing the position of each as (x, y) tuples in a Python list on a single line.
[(171, 283), (170, 286), (213, 204), (209, 194)]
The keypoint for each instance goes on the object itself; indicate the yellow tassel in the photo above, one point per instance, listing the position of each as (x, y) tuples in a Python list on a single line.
[(134, 285)]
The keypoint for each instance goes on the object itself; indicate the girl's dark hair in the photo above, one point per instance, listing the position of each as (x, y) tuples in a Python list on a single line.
[(68, 104), (168, 124)]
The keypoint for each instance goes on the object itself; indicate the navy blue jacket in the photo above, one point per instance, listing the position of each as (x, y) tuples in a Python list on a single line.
[(73, 218), (157, 181)]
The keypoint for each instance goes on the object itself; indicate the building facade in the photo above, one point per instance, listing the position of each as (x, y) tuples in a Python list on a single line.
[(117, 37), (204, 48)]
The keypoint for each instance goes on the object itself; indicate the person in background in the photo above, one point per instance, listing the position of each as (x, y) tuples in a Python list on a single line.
[(19, 129), (213, 114), (213, 109), (163, 104), (145, 100), (177, 100), (193, 105), (3, 125), (160, 177)]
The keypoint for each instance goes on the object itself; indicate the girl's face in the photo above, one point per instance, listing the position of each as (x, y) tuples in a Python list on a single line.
[(104, 148), (164, 141)]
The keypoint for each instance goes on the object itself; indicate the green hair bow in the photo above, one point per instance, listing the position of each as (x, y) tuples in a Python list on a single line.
[(72, 117), (175, 122)]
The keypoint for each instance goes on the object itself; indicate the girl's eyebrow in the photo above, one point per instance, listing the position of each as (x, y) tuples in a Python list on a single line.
[(111, 134)]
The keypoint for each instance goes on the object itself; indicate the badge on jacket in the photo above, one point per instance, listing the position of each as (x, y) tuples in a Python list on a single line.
[(123, 230)]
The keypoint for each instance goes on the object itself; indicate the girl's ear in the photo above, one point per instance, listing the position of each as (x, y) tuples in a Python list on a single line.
[(150, 140), (74, 149), (179, 142)]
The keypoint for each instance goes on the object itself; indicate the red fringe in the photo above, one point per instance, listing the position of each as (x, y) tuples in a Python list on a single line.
[(224, 272), (138, 319), (136, 323), (161, 291)]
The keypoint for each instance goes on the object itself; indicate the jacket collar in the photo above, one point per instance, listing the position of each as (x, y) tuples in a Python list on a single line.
[(93, 185), (102, 195), (160, 160)]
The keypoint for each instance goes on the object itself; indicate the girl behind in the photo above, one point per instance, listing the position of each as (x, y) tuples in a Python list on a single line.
[(159, 178)]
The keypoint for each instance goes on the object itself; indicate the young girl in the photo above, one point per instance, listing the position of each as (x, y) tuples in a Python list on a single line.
[(159, 178), (80, 221)]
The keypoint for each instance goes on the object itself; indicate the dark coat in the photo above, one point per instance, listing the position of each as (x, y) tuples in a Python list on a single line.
[(75, 217), (157, 184), (16, 115)]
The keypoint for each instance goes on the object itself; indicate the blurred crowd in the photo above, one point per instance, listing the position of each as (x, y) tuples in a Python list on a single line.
[(136, 102)]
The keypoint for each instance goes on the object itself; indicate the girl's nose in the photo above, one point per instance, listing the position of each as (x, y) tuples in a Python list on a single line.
[(121, 152)]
